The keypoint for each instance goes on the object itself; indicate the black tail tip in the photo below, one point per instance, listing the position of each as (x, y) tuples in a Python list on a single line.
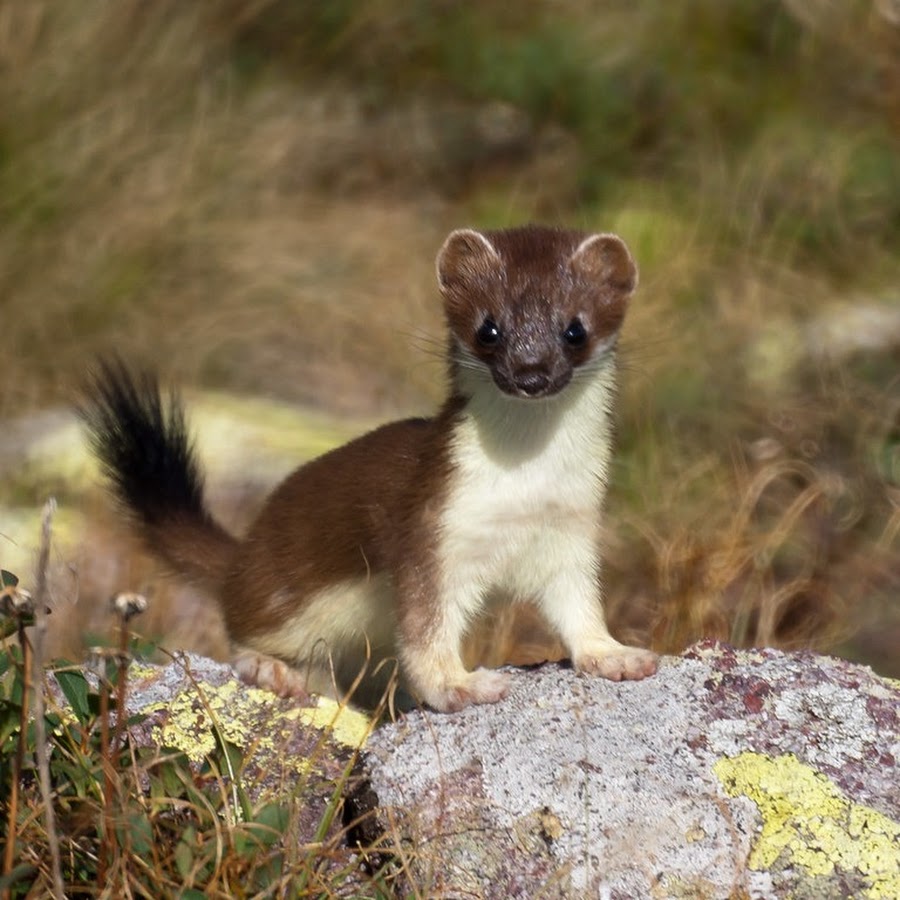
[(141, 441)]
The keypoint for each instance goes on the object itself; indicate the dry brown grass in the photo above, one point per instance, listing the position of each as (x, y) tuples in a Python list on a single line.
[(156, 209)]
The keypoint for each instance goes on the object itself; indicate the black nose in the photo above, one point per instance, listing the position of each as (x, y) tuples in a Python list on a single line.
[(532, 383)]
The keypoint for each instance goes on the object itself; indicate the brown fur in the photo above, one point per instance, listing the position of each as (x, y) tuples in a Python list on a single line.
[(357, 511)]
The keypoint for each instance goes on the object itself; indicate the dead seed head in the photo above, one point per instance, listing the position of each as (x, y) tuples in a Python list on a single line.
[(16, 602), (128, 603)]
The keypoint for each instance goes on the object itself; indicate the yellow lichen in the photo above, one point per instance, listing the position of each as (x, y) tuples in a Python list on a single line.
[(191, 720), (347, 726), (139, 671), (813, 823)]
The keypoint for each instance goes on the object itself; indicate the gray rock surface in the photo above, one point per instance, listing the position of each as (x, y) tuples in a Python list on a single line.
[(730, 774)]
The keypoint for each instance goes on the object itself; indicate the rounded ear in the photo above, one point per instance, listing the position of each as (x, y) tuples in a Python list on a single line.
[(466, 256), (604, 258)]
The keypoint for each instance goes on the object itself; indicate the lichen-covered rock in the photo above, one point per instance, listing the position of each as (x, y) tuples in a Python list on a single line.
[(730, 774), (194, 702), (214, 759)]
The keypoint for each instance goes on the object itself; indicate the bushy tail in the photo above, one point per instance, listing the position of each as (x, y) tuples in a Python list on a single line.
[(144, 449)]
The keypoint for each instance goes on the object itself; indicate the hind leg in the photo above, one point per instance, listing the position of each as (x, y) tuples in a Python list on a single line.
[(262, 670)]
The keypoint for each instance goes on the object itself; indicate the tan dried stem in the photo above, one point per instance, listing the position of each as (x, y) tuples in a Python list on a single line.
[(9, 854), (43, 761)]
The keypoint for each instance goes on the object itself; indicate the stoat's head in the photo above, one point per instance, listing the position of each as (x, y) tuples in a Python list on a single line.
[(532, 306)]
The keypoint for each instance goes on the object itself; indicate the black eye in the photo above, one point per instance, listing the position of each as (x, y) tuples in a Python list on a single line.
[(575, 335), (488, 334)]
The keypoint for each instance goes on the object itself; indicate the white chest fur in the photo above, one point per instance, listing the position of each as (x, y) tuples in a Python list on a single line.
[(526, 491)]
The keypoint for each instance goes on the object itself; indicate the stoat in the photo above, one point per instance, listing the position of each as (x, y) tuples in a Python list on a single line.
[(391, 544)]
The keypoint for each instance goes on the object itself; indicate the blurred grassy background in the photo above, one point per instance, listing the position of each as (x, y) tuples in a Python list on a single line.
[(249, 195)]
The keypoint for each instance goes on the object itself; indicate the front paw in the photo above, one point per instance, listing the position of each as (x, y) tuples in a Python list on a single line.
[(480, 686), (617, 662)]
